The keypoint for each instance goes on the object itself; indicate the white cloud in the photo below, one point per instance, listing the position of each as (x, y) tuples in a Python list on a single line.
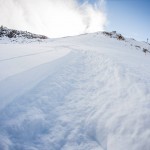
[(54, 18)]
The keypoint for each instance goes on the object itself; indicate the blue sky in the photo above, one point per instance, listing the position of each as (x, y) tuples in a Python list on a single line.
[(60, 18), (129, 17)]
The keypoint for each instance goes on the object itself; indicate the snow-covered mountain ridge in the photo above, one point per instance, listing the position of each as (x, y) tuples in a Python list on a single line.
[(14, 36), (17, 36), (87, 92), (145, 47)]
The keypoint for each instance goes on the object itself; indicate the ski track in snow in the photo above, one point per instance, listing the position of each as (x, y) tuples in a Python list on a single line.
[(74, 108), (1, 60)]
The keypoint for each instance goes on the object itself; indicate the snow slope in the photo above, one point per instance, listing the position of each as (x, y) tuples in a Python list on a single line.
[(88, 92)]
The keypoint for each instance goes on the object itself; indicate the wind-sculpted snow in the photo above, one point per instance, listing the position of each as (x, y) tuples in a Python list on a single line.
[(96, 98)]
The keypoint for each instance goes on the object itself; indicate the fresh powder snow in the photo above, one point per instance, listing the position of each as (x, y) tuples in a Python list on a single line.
[(87, 92)]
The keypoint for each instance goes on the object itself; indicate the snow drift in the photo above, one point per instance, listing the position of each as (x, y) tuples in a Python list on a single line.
[(88, 92)]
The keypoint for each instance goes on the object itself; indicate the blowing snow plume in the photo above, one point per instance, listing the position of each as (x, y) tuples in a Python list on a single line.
[(54, 18)]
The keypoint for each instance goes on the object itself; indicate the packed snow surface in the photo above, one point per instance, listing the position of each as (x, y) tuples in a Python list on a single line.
[(89, 92)]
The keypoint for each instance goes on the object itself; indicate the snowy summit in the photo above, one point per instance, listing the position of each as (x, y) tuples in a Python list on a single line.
[(86, 92)]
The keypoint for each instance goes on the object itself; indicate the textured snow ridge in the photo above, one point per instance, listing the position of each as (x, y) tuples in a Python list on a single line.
[(94, 97), (50, 115)]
